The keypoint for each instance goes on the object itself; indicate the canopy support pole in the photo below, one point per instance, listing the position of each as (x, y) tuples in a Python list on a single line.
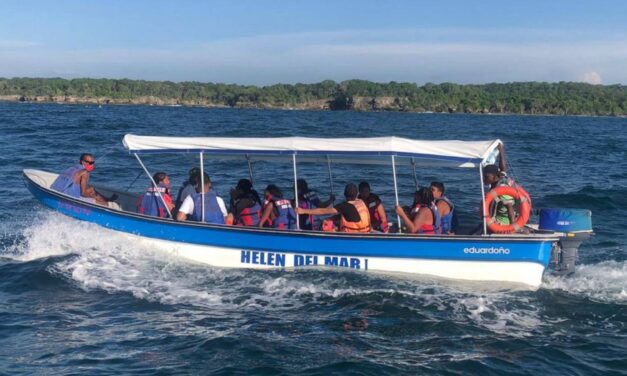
[(483, 218), (250, 169), (295, 190), (202, 187), (413, 165), (154, 184), (398, 218), (330, 174)]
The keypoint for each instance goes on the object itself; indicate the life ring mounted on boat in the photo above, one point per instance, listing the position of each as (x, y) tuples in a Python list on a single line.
[(520, 195)]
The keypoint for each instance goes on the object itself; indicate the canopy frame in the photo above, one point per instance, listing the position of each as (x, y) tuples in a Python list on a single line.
[(271, 150), (452, 152), (296, 191)]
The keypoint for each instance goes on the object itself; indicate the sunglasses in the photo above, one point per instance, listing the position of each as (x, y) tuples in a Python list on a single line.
[(89, 162)]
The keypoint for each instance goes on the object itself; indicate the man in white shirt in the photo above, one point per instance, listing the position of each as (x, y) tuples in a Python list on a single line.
[(214, 208)]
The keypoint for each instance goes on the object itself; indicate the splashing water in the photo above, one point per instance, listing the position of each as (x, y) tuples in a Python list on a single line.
[(116, 264), (603, 282)]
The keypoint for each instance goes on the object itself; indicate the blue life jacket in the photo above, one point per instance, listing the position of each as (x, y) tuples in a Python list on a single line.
[(151, 204), (285, 214), (448, 221), (65, 183), (213, 213), (309, 200), (437, 220)]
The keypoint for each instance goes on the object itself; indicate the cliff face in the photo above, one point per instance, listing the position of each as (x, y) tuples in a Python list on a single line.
[(379, 104), (321, 104)]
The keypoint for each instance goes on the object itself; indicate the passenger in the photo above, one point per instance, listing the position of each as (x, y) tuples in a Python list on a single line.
[(446, 209), (189, 186), (354, 216), (423, 217), (378, 219), (496, 176), (74, 182), (156, 199), (308, 199), (245, 204), (277, 211), (215, 210)]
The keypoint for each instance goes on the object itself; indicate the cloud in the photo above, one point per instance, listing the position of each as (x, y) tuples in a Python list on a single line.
[(592, 78), (414, 55), (8, 43)]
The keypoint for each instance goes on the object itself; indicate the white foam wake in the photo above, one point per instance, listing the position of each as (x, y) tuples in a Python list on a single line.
[(110, 261), (603, 282)]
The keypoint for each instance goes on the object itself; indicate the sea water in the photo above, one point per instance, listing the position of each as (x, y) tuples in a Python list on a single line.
[(79, 299)]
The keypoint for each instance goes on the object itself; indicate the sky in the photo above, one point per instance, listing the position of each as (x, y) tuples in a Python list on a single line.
[(268, 42)]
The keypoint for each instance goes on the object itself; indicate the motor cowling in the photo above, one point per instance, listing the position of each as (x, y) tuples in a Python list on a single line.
[(576, 226)]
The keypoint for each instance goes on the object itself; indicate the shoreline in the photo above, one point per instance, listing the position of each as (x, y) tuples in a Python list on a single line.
[(160, 102)]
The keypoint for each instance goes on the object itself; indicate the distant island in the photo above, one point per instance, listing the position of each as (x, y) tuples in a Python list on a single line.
[(563, 98)]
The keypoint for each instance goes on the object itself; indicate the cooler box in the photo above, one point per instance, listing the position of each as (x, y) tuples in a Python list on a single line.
[(565, 220)]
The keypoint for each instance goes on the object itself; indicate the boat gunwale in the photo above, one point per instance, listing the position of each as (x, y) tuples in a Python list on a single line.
[(308, 233)]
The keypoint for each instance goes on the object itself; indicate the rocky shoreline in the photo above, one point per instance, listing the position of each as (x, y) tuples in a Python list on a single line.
[(523, 98), (357, 104), (361, 104)]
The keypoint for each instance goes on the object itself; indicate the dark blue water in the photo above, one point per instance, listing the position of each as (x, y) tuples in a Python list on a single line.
[(76, 299)]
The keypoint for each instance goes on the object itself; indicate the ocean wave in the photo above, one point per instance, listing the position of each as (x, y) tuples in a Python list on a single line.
[(589, 197), (604, 282)]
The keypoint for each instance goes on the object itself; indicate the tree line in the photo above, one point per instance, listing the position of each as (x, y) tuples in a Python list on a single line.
[(562, 98)]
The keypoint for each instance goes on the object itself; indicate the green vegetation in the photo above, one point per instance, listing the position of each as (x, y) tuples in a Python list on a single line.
[(563, 98)]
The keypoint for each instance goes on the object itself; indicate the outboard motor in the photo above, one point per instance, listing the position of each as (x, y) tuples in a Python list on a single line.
[(576, 226)]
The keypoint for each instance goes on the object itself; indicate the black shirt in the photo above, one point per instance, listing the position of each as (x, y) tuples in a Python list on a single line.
[(371, 199), (348, 211)]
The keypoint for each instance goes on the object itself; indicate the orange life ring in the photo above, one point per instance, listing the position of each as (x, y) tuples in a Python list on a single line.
[(520, 195)]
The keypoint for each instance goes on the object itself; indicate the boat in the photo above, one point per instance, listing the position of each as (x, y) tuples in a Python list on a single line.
[(521, 259)]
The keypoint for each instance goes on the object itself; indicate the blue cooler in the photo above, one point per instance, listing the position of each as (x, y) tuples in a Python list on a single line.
[(566, 220)]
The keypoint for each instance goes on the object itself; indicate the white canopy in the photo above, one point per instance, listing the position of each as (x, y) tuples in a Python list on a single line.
[(350, 150)]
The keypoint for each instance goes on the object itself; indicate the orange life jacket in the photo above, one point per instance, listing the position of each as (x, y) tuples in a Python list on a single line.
[(364, 219)]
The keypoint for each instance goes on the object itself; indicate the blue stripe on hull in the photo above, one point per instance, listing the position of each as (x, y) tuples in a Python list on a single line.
[(465, 248)]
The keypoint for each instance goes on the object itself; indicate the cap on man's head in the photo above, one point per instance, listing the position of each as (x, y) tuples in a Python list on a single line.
[(491, 169)]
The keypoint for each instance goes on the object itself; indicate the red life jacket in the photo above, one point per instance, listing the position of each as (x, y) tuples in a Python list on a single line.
[(249, 216), (376, 222)]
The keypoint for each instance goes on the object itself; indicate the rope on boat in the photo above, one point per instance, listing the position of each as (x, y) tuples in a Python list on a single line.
[(138, 175)]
